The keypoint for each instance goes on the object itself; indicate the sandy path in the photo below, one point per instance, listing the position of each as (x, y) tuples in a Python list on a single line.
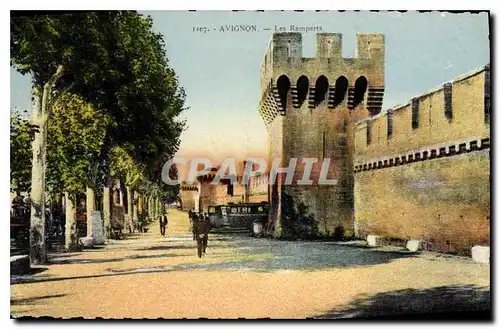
[(147, 276)]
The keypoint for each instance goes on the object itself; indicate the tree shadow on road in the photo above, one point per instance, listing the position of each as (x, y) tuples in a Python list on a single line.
[(33, 300), (260, 255), (305, 255), (66, 260), (457, 302), (154, 248)]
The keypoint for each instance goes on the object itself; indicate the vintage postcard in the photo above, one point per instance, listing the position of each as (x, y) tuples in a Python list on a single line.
[(250, 165)]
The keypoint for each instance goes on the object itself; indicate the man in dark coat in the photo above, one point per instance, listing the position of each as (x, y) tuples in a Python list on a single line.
[(201, 228), (163, 224), (194, 219)]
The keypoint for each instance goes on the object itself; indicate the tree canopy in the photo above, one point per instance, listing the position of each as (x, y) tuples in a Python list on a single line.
[(76, 135), (105, 74), (117, 63), (21, 135)]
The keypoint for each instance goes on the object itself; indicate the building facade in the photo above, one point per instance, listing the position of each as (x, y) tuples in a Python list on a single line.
[(189, 194), (202, 194)]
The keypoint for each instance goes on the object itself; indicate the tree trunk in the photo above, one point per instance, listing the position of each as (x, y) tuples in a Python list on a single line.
[(159, 207), (129, 206), (41, 108), (150, 208), (106, 209), (139, 203), (135, 207), (155, 208), (37, 221), (71, 241), (120, 193), (90, 208)]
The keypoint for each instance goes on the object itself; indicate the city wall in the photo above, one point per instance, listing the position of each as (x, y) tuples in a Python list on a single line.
[(422, 170)]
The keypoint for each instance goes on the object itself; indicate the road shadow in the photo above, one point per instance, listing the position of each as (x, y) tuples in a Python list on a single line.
[(458, 302), (29, 271), (68, 260), (260, 255), (154, 248), (274, 255), (33, 300)]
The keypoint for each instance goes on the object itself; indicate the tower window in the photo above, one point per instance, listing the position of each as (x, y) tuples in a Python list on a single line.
[(414, 113), (487, 90), (448, 111), (368, 132), (389, 124)]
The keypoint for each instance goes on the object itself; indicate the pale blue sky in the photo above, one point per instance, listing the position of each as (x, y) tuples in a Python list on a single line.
[(220, 70)]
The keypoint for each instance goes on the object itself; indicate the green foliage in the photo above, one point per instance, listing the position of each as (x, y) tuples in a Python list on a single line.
[(122, 166), (113, 61), (151, 100), (78, 41), (21, 136), (76, 135), (170, 193)]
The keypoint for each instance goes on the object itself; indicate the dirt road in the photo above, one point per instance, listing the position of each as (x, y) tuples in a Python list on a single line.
[(149, 276)]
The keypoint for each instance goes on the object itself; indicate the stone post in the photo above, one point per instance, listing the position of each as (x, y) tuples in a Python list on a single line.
[(97, 229)]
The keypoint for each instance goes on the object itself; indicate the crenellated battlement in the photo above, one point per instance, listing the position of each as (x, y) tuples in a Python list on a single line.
[(284, 52), (326, 77), (453, 117)]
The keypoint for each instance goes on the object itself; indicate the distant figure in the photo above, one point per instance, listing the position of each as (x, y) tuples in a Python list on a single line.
[(201, 228), (18, 206), (194, 219), (163, 224)]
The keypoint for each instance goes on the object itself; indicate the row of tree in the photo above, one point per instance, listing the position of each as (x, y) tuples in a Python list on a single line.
[(105, 106)]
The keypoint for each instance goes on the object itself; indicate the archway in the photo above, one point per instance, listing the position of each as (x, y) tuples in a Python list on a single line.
[(360, 87), (341, 86), (320, 90), (302, 89), (283, 85)]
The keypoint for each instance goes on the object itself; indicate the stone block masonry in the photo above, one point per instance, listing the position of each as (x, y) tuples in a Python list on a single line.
[(428, 181), (309, 106)]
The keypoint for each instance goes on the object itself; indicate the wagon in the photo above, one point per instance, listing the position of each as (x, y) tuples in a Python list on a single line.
[(238, 216)]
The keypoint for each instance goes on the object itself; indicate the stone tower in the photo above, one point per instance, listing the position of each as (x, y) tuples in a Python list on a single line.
[(309, 106)]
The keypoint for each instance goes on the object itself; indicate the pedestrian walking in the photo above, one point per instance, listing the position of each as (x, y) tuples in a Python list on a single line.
[(163, 224), (201, 230), (194, 219)]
